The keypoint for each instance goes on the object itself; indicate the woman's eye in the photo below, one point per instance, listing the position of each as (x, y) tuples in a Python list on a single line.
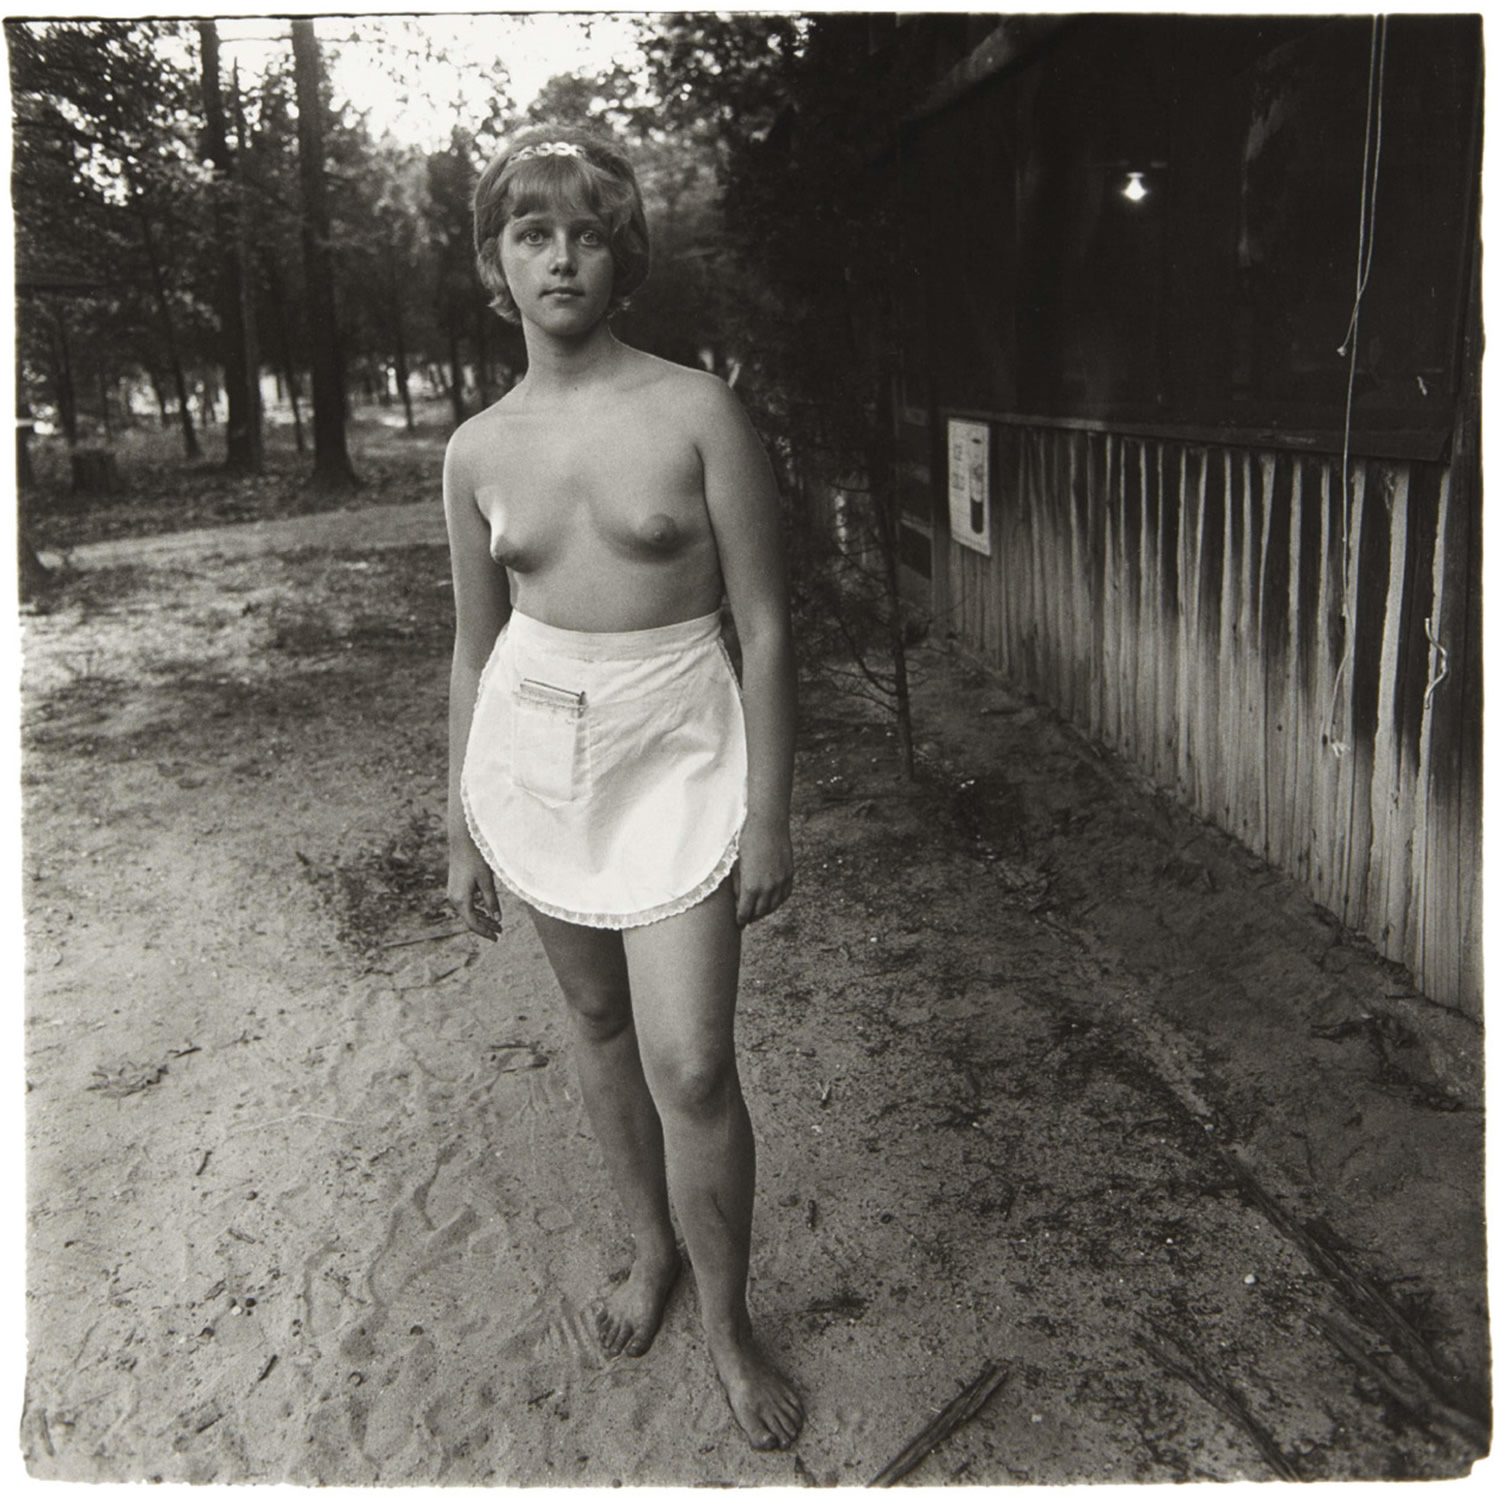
[(592, 238)]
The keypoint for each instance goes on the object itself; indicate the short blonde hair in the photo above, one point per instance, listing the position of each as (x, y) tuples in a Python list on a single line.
[(594, 173)]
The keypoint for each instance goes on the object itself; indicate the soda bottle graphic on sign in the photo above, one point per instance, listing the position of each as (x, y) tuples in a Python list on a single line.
[(976, 483)]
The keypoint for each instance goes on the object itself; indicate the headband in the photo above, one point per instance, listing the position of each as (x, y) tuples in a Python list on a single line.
[(548, 148)]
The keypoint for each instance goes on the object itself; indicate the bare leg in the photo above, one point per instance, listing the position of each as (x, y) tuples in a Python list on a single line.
[(590, 968), (684, 974)]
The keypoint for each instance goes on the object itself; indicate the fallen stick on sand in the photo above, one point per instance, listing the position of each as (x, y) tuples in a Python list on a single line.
[(958, 1411), (1221, 1395), (426, 937), (1429, 1411)]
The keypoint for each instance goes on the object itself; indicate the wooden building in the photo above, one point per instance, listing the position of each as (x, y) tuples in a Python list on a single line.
[(1189, 406)]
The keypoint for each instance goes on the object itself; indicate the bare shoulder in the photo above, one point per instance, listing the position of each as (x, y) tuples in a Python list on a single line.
[(473, 443), (704, 394), (477, 433), (694, 400)]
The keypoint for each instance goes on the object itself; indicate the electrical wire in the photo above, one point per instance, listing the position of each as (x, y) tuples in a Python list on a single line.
[(1369, 183)]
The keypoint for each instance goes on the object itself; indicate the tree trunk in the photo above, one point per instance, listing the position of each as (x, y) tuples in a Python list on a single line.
[(331, 467), (398, 338), (25, 470), (35, 576), (277, 289), (403, 385), (455, 363), (169, 331), (243, 239), (455, 369), (886, 499), (890, 539), (161, 398), (241, 449), (483, 369), (62, 375)]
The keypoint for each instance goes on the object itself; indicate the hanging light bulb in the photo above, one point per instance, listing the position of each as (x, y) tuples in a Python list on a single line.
[(1135, 187)]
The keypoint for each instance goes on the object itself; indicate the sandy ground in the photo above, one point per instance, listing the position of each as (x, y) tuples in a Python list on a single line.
[(1044, 1072)]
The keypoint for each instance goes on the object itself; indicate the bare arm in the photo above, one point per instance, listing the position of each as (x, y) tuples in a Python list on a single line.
[(744, 510), (481, 603)]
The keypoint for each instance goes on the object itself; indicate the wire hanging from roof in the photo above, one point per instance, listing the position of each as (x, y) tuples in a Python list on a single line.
[(1369, 183)]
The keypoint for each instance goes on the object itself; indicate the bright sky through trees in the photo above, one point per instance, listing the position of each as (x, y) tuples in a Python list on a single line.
[(377, 62)]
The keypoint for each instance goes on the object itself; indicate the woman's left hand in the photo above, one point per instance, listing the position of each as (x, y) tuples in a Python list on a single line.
[(763, 875)]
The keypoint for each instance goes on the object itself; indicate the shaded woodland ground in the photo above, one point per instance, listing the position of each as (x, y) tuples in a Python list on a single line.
[(1045, 1074)]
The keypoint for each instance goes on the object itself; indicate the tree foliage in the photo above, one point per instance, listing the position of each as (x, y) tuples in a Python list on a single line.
[(811, 211), (122, 164), (332, 469), (757, 140), (700, 87), (112, 256), (236, 323), (127, 186), (762, 144)]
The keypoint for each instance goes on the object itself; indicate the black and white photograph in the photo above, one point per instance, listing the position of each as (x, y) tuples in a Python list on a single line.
[(751, 747)]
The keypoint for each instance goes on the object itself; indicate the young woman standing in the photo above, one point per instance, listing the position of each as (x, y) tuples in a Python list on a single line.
[(606, 767)]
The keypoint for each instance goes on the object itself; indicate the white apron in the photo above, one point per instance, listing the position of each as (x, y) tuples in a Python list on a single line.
[(604, 778)]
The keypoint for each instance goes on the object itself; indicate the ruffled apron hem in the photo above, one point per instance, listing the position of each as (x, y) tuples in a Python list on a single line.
[(610, 921)]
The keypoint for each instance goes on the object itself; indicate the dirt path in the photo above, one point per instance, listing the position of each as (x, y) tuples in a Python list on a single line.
[(1044, 1073)]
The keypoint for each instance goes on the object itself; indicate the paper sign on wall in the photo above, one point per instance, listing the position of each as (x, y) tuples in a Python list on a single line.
[(969, 483)]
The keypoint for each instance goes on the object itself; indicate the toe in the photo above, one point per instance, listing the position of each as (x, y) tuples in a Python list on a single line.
[(768, 1418), (609, 1334)]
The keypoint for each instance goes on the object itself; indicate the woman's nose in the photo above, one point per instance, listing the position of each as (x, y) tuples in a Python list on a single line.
[(562, 252)]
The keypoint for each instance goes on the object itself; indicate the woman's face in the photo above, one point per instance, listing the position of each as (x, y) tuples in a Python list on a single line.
[(558, 266)]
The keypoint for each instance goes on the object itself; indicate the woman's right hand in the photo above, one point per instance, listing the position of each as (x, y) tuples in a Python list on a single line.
[(471, 889)]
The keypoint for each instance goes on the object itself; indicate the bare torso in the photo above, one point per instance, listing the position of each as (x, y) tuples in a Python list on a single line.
[(595, 503)]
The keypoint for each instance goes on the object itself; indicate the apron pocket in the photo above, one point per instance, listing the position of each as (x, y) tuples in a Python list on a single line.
[(549, 749)]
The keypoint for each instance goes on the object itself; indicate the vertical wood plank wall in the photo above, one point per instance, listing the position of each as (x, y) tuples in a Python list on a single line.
[(1299, 663)]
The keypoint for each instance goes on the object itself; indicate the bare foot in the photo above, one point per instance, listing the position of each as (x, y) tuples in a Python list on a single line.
[(631, 1313), (762, 1400)]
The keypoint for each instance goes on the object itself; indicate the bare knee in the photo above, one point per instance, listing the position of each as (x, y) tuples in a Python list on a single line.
[(693, 1084), (600, 1012)]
